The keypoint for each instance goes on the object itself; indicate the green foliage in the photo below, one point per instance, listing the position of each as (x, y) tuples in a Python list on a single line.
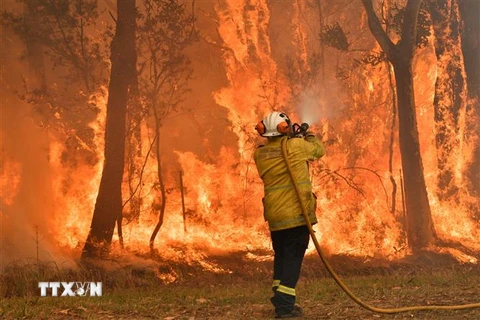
[(334, 36)]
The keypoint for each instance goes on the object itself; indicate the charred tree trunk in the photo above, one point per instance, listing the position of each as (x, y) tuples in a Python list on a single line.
[(420, 231), (471, 51), (109, 200), (392, 139), (450, 93), (391, 83), (419, 222)]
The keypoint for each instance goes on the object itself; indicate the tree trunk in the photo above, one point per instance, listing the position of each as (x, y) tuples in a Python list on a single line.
[(109, 200), (450, 93), (419, 224), (471, 51), (161, 183), (392, 139)]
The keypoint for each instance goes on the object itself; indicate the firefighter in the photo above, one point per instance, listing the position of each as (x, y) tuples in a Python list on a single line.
[(282, 211)]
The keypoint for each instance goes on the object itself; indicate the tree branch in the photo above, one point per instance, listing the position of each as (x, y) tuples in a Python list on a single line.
[(140, 176), (376, 28)]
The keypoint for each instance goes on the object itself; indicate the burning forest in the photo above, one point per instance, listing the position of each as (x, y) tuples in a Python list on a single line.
[(131, 131)]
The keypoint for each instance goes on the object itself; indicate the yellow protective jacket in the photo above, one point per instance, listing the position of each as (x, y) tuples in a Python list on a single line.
[(281, 206)]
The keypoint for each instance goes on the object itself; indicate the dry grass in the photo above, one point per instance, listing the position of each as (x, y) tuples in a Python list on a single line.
[(133, 291)]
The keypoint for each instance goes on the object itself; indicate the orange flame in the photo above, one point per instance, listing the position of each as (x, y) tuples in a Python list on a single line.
[(223, 196)]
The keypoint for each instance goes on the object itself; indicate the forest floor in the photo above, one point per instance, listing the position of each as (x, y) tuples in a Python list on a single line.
[(237, 286)]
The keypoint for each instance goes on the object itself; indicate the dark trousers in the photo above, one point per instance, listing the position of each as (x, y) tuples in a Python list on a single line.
[(289, 246)]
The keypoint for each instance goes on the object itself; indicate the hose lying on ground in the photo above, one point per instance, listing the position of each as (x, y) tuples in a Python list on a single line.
[(336, 277)]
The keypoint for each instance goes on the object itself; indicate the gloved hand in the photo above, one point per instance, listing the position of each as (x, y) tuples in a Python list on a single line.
[(304, 128), (311, 136), (300, 131)]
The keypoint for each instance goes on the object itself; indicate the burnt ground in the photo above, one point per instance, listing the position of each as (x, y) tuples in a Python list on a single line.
[(237, 286), (425, 279)]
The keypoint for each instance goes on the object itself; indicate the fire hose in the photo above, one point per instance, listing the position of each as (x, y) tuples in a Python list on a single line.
[(334, 274)]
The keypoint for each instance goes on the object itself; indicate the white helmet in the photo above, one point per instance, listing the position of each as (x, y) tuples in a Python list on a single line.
[(275, 124)]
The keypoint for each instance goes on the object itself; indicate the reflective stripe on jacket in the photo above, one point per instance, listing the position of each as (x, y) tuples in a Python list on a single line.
[(281, 206)]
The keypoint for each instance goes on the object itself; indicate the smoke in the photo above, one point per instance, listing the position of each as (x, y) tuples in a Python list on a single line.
[(314, 106), (25, 219), (27, 197), (308, 108)]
